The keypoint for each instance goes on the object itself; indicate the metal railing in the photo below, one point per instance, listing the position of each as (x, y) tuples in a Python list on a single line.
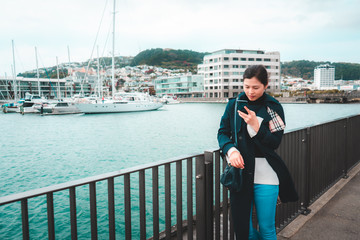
[(316, 156)]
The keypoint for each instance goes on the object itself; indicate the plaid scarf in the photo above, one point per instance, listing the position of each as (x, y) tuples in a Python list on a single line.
[(276, 123)]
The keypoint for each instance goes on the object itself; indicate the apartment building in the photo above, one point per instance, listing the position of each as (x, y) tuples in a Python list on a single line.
[(324, 76), (223, 71)]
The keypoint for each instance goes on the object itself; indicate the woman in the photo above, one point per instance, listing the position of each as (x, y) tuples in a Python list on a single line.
[(260, 125)]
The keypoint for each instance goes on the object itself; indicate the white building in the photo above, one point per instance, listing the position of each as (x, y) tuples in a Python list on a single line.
[(223, 70), (181, 86), (324, 76)]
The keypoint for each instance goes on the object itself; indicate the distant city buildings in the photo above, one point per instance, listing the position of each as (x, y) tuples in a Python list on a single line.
[(324, 77), (223, 71)]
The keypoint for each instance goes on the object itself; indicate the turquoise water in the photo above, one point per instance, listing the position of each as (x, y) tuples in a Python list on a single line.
[(38, 151)]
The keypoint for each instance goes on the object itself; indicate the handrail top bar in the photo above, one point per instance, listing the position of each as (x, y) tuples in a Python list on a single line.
[(75, 183)]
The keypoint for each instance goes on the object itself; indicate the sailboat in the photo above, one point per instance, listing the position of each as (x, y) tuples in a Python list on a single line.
[(120, 102)]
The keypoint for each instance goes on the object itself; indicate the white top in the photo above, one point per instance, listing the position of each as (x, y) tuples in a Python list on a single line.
[(264, 174)]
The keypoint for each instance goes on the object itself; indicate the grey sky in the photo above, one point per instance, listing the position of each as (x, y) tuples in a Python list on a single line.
[(299, 29)]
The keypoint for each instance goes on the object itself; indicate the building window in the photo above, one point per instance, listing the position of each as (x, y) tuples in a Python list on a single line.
[(211, 94), (251, 59), (243, 66), (235, 66), (226, 94), (267, 60), (215, 60), (235, 59), (216, 94), (226, 87), (226, 80), (216, 87), (235, 87), (226, 59), (243, 59), (211, 88), (211, 60), (258, 59), (211, 81), (235, 94), (226, 66), (215, 81), (235, 80), (235, 73), (215, 67), (226, 73)]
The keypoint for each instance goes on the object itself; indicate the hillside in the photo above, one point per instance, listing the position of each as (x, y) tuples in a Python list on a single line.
[(305, 69), (169, 58)]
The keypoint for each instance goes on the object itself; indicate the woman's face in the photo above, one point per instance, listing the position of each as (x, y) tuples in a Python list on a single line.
[(253, 88)]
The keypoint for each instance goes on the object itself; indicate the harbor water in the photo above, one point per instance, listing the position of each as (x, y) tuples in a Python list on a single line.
[(38, 151)]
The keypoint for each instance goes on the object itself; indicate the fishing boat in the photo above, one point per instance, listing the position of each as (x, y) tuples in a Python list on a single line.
[(121, 102)]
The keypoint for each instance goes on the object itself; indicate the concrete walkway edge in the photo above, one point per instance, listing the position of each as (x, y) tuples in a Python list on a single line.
[(300, 220)]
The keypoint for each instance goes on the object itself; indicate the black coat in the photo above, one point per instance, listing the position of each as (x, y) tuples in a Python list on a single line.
[(266, 142)]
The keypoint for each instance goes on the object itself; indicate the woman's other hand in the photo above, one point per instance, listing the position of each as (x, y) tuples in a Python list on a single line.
[(236, 160)]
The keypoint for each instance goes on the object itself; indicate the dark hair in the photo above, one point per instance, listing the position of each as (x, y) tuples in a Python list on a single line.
[(258, 71)]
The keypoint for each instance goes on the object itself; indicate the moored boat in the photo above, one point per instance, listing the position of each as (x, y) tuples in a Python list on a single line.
[(121, 102)]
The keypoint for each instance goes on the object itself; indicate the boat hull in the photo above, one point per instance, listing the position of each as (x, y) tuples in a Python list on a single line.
[(91, 108)]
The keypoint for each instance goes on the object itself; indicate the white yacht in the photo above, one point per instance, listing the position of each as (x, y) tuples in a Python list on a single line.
[(59, 108), (167, 99), (121, 102)]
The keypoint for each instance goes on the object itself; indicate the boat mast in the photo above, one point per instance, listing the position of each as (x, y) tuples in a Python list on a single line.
[(98, 72), (37, 72), (68, 70), (58, 79), (113, 54), (14, 73)]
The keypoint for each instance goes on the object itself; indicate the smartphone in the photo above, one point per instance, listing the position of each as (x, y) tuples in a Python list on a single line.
[(243, 103)]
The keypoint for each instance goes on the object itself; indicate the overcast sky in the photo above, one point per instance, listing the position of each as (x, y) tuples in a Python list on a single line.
[(319, 30)]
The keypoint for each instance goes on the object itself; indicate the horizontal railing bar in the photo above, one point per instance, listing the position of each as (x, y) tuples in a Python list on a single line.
[(84, 181)]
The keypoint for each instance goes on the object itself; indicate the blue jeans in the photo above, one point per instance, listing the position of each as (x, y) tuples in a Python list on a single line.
[(265, 199)]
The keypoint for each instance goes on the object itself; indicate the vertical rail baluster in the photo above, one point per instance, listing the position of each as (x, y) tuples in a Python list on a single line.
[(142, 204), (200, 198), (127, 206), (167, 201), (209, 195), (50, 215), (179, 200), (111, 208), (25, 219), (73, 219), (93, 213), (217, 195), (225, 209), (189, 187), (155, 197)]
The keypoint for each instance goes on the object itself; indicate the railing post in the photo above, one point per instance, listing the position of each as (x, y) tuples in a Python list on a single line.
[(346, 152), (307, 161), (200, 198), (209, 194)]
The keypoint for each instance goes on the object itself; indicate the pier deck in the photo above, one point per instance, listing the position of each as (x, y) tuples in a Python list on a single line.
[(335, 215)]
